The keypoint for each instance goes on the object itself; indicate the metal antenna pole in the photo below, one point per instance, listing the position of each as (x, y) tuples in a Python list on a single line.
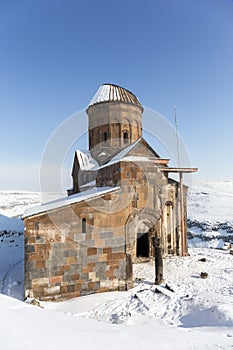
[(177, 140), (183, 240)]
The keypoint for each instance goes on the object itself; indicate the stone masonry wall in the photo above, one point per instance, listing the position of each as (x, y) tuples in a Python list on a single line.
[(63, 262), (107, 124)]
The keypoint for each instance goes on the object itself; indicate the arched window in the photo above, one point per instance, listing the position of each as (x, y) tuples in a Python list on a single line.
[(84, 225), (169, 225), (105, 137), (126, 137)]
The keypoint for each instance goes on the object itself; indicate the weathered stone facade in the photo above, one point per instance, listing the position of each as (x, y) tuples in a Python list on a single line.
[(113, 126), (61, 261), (121, 198)]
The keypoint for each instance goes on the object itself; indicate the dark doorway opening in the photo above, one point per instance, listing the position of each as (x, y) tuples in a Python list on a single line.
[(105, 137), (143, 245), (126, 137)]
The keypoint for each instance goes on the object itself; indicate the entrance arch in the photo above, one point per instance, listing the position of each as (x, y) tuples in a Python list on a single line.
[(143, 238), (140, 228)]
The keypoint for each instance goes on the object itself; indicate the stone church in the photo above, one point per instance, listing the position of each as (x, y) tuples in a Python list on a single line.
[(121, 199)]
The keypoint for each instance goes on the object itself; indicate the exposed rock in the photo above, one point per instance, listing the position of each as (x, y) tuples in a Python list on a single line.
[(204, 275), (35, 302)]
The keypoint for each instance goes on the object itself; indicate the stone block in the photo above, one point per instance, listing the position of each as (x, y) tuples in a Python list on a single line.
[(110, 274), (91, 259), (75, 277), (109, 283), (40, 264), (58, 273), (67, 278), (91, 251), (88, 236), (114, 267), (70, 260), (91, 286), (91, 264), (63, 289), (49, 291), (78, 286), (92, 276), (102, 290), (70, 288), (106, 234), (56, 279), (115, 242), (87, 243), (99, 243), (29, 265), (79, 237), (41, 281), (38, 273), (100, 271), (119, 249), (86, 292), (29, 248), (116, 256), (70, 295), (65, 268), (84, 276), (31, 240), (107, 250), (102, 257), (87, 269)]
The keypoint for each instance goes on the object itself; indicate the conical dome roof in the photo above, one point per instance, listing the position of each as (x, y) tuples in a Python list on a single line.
[(114, 93)]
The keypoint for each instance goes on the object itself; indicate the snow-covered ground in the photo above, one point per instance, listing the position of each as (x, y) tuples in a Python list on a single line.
[(197, 314), (14, 203), (210, 214), (185, 312), (211, 202)]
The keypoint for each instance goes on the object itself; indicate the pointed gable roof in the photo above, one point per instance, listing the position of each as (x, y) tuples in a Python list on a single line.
[(84, 161), (139, 149)]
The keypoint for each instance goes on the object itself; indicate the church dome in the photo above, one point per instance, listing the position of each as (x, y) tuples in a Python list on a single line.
[(114, 93)]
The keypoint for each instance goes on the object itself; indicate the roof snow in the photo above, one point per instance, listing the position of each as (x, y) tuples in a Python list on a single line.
[(86, 161), (89, 184), (124, 152), (122, 155), (75, 198), (114, 93)]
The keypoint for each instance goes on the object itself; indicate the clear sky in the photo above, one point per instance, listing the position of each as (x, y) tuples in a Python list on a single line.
[(55, 54)]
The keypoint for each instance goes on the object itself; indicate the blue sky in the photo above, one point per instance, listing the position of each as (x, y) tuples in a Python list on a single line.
[(55, 54)]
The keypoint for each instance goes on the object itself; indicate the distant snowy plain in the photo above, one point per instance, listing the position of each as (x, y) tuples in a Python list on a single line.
[(185, 312)]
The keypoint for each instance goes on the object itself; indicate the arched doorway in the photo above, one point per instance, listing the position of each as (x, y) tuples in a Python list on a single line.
[(143, 239), (142, 249), (140, 228)]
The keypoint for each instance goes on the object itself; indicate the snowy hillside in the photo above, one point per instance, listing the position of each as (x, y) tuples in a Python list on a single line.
[(211, 202), (210, 213), (207, 201), (14, 203)]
